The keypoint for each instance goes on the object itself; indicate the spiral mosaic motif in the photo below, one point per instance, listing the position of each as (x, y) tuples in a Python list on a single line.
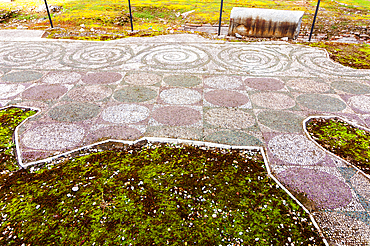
[(28, 55), (319, 62), (174, 57), (295, 149), (97, 56), (253, 59)]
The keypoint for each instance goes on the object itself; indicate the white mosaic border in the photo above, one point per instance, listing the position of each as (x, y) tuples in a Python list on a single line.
[(16, 134), (327, 151)]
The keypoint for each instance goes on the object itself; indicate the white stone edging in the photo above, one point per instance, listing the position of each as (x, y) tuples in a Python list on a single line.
[(16, 135), (327, 151)]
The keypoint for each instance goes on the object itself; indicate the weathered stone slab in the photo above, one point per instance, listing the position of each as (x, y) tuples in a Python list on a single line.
[(254, 22)]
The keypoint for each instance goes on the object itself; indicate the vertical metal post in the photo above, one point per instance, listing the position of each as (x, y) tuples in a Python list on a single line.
[(129, 7), (47, 9), (219, 23), (314, 19)]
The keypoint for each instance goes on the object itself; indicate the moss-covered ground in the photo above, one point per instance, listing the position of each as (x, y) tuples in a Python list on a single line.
[(342, 139), (351, 55), (151, 195), (9, 120)]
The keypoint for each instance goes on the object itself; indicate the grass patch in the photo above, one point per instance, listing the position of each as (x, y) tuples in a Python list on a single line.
[(342, 139), (148, 195), (351, 55), (10, 118)]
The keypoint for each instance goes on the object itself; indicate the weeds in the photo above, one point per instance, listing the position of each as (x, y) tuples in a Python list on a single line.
[(344, 140)]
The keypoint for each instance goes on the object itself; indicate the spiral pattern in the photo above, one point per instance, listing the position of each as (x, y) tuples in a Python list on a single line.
[(253, 59), (174, 57), (29, 55), (98, 56), (318, 62)]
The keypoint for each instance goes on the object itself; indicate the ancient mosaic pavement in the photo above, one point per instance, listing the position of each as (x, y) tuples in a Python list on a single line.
[(186, 87)]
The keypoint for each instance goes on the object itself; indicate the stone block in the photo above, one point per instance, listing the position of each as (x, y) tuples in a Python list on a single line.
[(265, 23)]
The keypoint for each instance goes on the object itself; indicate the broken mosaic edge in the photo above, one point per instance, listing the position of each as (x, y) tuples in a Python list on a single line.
[(354, 124), (158, 140), (16, 135)]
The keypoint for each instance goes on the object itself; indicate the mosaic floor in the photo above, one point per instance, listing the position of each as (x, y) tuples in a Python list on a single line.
[(187, 87)]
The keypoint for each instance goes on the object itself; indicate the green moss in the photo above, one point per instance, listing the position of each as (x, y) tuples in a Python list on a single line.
[(351, 55), (152, 195), (344, 140), (10, 118)]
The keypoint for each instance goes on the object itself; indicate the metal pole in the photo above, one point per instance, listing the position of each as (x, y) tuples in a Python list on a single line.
[(47, 9), (314, 19), (129, 6), (219, 23)]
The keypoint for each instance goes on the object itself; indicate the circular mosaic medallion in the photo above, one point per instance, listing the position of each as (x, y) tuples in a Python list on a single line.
[(317, 62), (74, 112), (174, 57), (44, 92), (22, 76), (360, 102), (233, 138), (351, 87), (97, 56), (113, 132), (253, 59), (307, 85), (30, 54), (177, 115), (362, 186), (264, 84), (53, 137), (101, 78), (223, 82), (10, 90), (125, 113), (61, 78), (90, 93), (143, 79), (182, 80), (272, 100), (326, 190), (295, 149), (281, 121), (133, 94), (321, 102), (226, 98), (229, 118), (180, 96)]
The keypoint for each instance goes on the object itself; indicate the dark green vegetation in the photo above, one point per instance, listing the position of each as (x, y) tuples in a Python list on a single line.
[(7, 14), (351, 55), (343, 139), (10, 119), (150, 195)]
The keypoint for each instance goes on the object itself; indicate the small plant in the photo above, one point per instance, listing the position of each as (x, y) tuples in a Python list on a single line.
[(343, 139)]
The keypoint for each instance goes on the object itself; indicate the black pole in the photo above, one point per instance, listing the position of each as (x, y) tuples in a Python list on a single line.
[(314, 19), (129, 7), (47, 9), (219, 23)]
